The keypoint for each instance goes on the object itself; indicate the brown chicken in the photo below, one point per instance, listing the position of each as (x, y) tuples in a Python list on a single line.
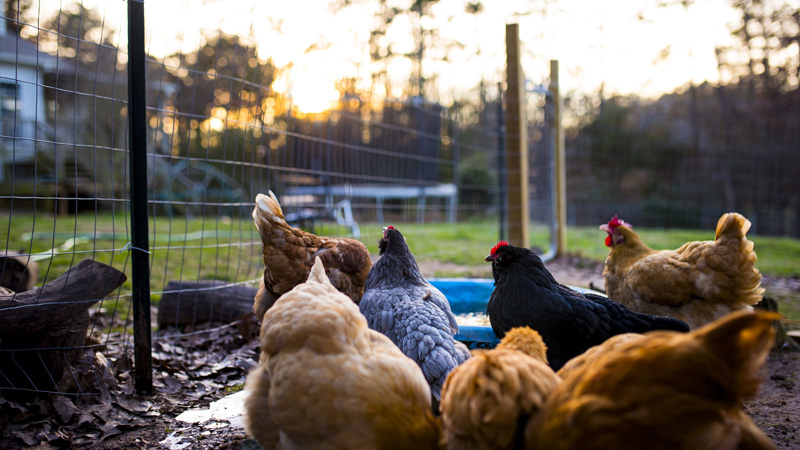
[(326, 381), (665, 390), (697, 283), (588, 357), (487, 400), (289, 254)]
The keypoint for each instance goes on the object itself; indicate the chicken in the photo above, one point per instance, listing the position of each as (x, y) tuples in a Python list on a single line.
[(326, 381), (290, 252), (697, 283), (526, 294), (592, 354), (416, 316), (488, 400), (665, 390)]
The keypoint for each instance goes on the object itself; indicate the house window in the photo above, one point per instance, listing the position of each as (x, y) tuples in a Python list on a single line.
[(9, 103)]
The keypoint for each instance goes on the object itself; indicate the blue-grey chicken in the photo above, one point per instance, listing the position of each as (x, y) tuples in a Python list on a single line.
[(416, 316)]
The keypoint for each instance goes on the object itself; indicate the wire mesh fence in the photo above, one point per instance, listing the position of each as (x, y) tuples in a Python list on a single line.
[(686, 159), (218, 133), (226, 121)]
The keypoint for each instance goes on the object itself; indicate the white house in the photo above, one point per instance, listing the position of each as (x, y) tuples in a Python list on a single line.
[(22, 103)]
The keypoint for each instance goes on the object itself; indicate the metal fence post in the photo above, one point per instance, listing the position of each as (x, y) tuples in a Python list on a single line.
[(137, 150)]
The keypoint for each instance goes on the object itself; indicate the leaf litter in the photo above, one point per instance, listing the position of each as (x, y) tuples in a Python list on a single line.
[(97, 403), (209, 362)]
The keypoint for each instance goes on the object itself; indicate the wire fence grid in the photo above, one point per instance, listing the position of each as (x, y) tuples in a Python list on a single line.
[(223, 125), (217, 134)]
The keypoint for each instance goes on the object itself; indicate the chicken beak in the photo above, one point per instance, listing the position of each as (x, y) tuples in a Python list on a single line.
[(604, 227), (488, 259)]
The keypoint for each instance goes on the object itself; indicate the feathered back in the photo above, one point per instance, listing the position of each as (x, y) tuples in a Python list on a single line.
[(588, 357), (325, 380), (334, 328), (487, 400), (664, 390), (289, 252), (414, 314), (525, 340)]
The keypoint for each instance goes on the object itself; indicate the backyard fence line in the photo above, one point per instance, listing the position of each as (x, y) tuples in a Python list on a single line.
[(148, 170)]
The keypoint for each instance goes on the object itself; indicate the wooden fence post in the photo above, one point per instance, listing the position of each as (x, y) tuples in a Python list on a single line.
[(561, 172), (516, 146)]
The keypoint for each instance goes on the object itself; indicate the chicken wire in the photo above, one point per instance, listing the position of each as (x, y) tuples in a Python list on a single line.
[(218, 134), (686, 159), (62, 164)]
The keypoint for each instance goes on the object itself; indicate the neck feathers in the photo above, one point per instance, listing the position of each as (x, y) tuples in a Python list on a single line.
[(395, 266)]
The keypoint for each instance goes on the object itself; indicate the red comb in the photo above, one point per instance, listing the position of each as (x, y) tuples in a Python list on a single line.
[(615, 222), (499, 244), (390, 227)]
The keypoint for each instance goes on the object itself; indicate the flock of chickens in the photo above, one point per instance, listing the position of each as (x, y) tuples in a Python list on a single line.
[(362, 356)]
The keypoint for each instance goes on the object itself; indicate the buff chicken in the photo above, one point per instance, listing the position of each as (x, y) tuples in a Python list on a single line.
[(327, 381), (699, 282), (663, 390), (487, 400)]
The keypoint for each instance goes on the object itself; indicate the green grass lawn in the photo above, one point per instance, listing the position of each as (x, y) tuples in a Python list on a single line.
[(229, 248), (197, 249), (470, 242)]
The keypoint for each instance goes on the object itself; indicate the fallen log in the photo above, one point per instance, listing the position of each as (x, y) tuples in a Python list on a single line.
[(17, 272), (43, 330), (195, 302)]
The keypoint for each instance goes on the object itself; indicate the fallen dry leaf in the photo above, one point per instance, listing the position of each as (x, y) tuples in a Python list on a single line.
[(64, 407)]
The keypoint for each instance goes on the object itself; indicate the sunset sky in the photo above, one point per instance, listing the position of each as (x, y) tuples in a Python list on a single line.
[(626, 45)]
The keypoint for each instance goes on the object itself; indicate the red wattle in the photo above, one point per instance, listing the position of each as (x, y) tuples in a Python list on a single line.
[(608, 241)]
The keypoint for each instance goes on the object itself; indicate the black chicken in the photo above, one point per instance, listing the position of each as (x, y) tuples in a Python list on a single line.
[(525, 293)]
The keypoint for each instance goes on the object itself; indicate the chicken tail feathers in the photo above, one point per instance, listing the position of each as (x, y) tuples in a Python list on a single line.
[(735, 252), (267, 209), (733, 224), (437, 364), (318, 273)]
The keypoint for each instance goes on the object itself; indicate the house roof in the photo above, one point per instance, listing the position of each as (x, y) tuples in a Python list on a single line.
[(15, 50)]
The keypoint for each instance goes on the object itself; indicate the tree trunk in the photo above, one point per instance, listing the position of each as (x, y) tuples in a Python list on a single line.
[(18, 273), (43, 330), (195, 302)]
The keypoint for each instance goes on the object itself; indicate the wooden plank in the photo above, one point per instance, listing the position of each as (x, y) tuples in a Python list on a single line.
[(516, 138)]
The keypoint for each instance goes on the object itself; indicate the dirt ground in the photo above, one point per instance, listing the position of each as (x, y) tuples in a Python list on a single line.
[(776, 408)]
